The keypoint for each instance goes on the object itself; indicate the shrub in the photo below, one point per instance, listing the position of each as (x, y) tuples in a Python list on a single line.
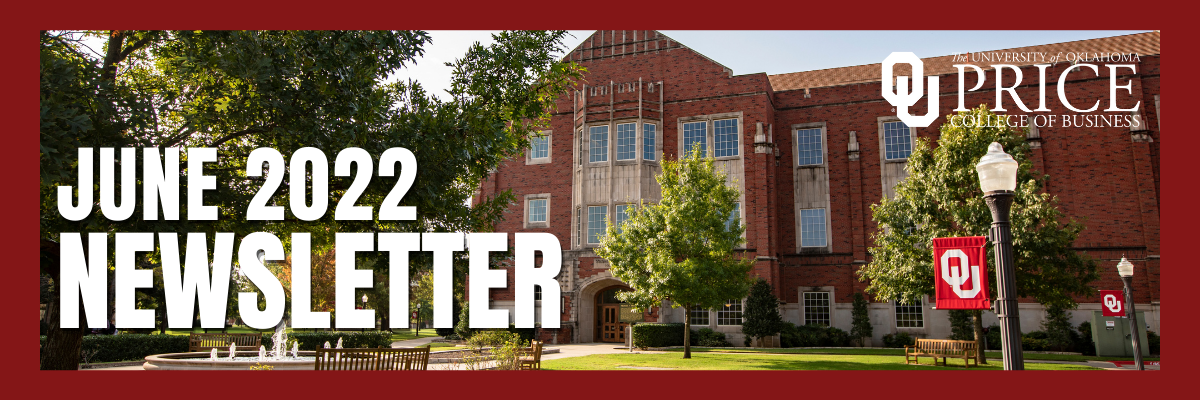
[(762, 317), (898, 340), (658, 335), (813, 336), (993, 337), (706, 337), (961, 325), (1154, 341), (505, 348), (113, 348), (526, 334), (1085, 344), (350, 340), (1057, 326), (463, 328), (861, 326), (1029, 343)]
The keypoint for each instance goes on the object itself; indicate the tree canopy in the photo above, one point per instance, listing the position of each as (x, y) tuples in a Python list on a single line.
[(682, 248), (941, 198)]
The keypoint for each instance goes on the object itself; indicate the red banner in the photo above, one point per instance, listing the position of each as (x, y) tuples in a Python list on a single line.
[(1112, 302), (960, 273)]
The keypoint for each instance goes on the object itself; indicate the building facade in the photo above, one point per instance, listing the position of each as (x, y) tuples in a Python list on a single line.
[(811, 152)]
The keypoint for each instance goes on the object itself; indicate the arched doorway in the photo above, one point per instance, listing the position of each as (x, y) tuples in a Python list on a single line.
[(613, 315)]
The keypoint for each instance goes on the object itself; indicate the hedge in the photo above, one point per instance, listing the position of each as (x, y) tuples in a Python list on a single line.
[(658, 335), (113, 348)]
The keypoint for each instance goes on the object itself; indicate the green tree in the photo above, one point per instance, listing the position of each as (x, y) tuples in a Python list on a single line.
[(240, 90), (681, 249), (860, 327), (941, 198), (422, 298), (1057, 326), (961, 326), (761, 317)]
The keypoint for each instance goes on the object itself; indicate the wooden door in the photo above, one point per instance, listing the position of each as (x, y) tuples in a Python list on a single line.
[(611, 329)]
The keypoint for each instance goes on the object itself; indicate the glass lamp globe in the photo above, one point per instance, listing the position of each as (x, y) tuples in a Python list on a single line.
[(364, 298), (997, 170), (1125, 268)]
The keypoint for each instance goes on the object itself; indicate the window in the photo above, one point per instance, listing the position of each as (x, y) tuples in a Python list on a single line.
[(695, 134), (649, 133), (725, 136), (626, 141), (599, 150), (812, 228), (537, 210), (897, 140), (539, 146), (808, 147), (734, 216), (816, 308), (596, 219), (731, 314), (698, 315), (537, 292), (622, 214), (909, 315)]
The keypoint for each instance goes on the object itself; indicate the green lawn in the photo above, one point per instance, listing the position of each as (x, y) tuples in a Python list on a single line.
[(398, 334), (407, 334), (749, 361), (900, 352)]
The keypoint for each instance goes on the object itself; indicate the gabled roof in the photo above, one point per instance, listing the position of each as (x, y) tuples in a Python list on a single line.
[(1142, 44), (609, 44)]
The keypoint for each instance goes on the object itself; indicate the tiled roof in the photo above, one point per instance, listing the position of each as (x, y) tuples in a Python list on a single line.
[(1141, 43)]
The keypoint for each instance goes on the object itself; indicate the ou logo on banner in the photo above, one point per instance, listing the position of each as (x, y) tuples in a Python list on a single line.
[(1112, 303), (898, 95), (957, 276)]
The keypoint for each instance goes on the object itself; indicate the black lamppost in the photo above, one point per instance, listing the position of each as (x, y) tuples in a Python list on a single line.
[(998, 179), (1125, 269)]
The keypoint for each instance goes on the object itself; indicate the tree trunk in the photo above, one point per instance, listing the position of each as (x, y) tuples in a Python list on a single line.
[(687, 333), (979, 356), (62, 348)]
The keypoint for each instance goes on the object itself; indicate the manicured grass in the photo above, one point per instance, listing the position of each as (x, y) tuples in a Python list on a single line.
[(751, 361), (407, 334), (439, 344), (900, 352), (398, 334)]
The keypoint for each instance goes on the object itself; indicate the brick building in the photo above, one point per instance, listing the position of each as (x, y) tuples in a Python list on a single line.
[(811, 152)]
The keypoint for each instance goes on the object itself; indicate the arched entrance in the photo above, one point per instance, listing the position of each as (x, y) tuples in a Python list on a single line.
[(597, 294), (613, 315)]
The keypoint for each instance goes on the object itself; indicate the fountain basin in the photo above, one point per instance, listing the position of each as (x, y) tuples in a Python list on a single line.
[(203, 361)]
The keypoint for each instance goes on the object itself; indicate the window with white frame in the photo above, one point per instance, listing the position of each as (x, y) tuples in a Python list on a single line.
[(698, 315), (897, 140), (599, 149), (539, 146), (597, 216), (735, 216), (731, 313), (626, 141), (537, 210), (725, 137), (909, 315), (622, 214), (649, 132), (808, 147), (812, 228), (816, 308), (695, 134)]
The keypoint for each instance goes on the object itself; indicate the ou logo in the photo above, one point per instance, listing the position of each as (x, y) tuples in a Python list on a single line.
[(898, 95), (1112, 303), (957, 276)]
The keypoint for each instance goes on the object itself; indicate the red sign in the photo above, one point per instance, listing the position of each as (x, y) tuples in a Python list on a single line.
[(960, 273), (1112, 302)]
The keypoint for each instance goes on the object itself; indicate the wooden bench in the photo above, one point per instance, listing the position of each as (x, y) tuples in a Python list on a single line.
[(221, 341), (380, 359), (531, 357), (964, 349)]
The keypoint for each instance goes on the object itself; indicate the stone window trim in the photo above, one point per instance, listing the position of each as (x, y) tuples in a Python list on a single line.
[(832, 301), (587, 243), (638, 141), (529, 160), (796, 128), (925, 305), (536, 196), (912, 132), (710, 138), (828, 231)]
